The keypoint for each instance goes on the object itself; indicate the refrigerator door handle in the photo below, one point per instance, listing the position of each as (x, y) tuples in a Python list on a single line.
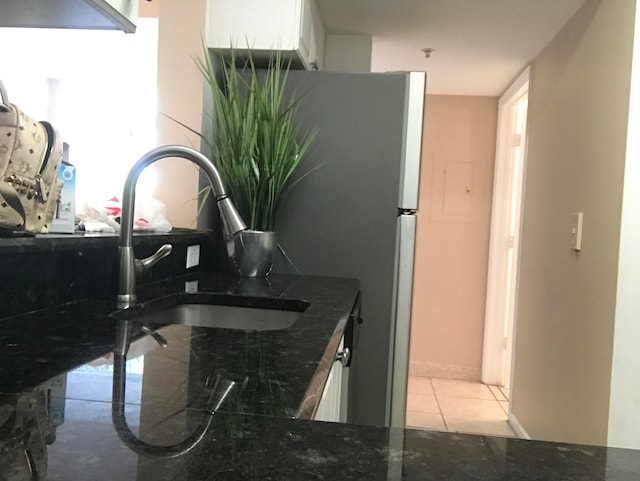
[(406, 212), (412, 142), (401, 322)]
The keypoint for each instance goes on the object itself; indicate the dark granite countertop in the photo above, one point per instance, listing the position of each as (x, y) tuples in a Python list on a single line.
[(57, 412), (29, 243), (275, 368), (241, 448)]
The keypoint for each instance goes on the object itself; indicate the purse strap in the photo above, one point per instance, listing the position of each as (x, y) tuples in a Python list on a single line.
[(4, 98), (11, 200)]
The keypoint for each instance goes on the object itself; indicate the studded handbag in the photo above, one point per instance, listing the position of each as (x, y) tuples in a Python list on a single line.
[(30, 156)]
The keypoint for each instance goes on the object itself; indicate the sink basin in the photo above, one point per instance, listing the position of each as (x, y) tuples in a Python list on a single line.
[(223, 317), (218, 311)]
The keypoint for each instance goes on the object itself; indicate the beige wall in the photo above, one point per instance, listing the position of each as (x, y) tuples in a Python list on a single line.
[(181, 29), (347, 53), (578, 108), (453, 236), (149, 9)]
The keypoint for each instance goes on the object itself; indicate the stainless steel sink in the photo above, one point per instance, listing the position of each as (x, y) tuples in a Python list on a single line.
[(218, 311)]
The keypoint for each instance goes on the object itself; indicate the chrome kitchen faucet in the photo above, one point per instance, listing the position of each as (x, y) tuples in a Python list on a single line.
[(129, 266)]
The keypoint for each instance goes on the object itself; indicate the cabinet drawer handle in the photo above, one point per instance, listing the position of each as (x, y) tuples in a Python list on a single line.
[(343, 356)]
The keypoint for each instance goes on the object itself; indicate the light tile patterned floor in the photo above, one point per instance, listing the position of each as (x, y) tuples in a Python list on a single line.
[(457, 406)]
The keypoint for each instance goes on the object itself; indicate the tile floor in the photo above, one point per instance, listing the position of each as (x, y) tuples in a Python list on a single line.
[(457, 406)]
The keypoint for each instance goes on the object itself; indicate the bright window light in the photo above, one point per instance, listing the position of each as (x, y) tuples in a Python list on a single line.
[(99, 89)]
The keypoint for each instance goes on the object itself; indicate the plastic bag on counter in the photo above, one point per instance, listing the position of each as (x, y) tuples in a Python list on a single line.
[(93, 218), (149, 216)]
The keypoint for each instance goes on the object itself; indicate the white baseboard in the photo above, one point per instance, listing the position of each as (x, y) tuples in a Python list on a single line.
[(444, 371), (517, 427)]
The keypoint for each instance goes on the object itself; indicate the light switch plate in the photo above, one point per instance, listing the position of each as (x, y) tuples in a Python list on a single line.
[(193, 256), (576, 231)]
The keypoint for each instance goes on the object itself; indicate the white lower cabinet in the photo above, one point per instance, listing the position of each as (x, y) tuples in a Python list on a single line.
[(333, 404)]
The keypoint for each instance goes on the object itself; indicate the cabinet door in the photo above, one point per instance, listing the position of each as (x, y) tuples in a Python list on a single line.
[(329, 407), (291, 26), (311, 41), (313, 21), (81, 14), (256, 24), (306, 43)]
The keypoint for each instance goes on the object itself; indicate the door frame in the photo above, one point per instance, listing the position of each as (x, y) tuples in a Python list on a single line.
[(501, 298)]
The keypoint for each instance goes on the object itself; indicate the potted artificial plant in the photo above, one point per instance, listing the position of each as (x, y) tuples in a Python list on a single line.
[(256, 145)]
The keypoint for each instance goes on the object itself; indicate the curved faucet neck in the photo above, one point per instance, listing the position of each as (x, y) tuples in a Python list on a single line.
[(232, 223)]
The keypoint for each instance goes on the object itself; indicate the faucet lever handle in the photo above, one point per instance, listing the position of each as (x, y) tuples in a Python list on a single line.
[(143, 265)]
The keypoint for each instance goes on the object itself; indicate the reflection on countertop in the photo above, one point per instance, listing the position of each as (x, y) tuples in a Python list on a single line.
[(247, 447), (57, 405), (274, 367)]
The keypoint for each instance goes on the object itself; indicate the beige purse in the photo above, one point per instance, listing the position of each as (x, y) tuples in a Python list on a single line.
[(30, 155)]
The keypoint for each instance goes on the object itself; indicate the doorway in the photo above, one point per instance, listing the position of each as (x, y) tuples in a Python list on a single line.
[(502, 276), (452, 251)]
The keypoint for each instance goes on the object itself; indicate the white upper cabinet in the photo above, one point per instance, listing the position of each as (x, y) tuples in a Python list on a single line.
[(291, 26), (80, 14)]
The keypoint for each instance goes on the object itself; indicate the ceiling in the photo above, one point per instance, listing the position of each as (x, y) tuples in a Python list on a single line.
[(480, 46)]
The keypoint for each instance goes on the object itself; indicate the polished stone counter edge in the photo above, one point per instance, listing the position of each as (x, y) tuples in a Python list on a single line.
[(311, 400)]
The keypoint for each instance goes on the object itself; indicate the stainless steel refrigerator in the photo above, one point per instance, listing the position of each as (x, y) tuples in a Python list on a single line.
[(355, 216)]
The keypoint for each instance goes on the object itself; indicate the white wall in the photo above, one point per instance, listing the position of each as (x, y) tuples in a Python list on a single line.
[(624, 408)]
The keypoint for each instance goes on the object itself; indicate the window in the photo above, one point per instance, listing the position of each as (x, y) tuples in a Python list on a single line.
[(99, 89)]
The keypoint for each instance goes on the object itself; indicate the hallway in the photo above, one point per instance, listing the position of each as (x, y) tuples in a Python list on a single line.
[(457, 406)]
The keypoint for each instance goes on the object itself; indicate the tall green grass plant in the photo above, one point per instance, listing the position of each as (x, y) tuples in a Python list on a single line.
[(254, 139)]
